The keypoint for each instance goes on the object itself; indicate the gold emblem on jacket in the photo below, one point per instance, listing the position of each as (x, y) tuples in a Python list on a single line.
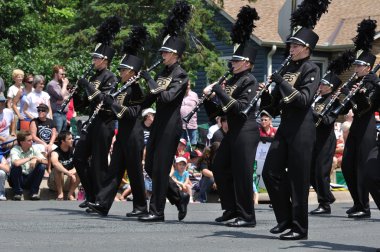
[(291, 78), (120, 98), (230, 89), (163, 82), (96, 84), (319, 107)]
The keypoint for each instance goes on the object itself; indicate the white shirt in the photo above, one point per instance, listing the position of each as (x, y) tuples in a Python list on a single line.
[(5, 121), (12, 92), (33, 99)]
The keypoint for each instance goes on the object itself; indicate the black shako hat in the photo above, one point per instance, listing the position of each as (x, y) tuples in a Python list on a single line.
[(306, 37), (131, 62), (103, 51), (246, 52), (331, 80), (365, 59), (173, 44)]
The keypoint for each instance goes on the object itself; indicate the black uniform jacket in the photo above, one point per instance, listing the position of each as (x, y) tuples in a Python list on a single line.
[(292, 98)]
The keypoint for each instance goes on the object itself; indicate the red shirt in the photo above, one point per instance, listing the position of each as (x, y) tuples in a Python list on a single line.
[(272, 131)]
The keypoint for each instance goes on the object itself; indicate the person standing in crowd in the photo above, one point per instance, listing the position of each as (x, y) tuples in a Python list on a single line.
[(13, 91), (168, 92), (361, 138), (21, 98), (128, 148), (96, 143), (62, 164), (2, 86), (57, 89), (28, 167), (37, 97), (189, 102), (233, 163), (148, 118)]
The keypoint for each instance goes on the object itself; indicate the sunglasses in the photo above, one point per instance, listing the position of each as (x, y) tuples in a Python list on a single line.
[(29, 82), (41, 110)]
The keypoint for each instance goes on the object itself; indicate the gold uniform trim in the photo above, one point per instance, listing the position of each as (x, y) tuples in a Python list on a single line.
[(225, 108), (163, 83), (290, 97), (121, 113), (93, 95)]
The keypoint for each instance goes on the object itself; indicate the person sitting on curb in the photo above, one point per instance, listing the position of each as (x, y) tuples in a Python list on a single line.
[(62, 162), (27, 167)]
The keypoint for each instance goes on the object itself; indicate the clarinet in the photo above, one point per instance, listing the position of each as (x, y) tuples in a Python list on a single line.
[(333, 99), (134, 79), (352, 93), (254, 100), (67, 100), (115, 94), (89, 121), (188, 117)]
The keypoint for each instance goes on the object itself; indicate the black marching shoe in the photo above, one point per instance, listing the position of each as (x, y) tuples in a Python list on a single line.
[(152, 218), (226, 216), (239, 222), (89, 211), (292, 235), (353, 209), (360, 214), (321, 209), (99, 209), (182, 206), (280, 228), (83, 204), (136, 213)]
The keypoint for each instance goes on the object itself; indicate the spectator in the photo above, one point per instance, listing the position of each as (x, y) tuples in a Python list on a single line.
[(189, 102), (181, 149), (36, 97), (193, 168), (345, 129), (17, 76), (207, 181), (43, 130), (57, 90), (27, 167), (220, 133), (267, 131), (21, 98), (126, 189), (62, 163), (181, 176), (148, 118), (212, 130), (7, 129), (337, 159), (2, 86), (71, 114), (4, 170)]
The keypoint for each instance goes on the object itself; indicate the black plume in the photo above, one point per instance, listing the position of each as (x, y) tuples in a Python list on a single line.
[(177, 19), (243, 27), (308, 13), (366, 33), (136, 40), (108, 30), (342, 63)]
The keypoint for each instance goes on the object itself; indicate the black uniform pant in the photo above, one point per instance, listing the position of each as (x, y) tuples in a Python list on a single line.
[(320, 172), (373, 176), (124, 157), (233, 173), (355, 154), (91, 155), (160, 151), (286, 175)]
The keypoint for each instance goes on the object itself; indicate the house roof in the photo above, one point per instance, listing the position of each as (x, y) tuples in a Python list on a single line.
[(336, 28)]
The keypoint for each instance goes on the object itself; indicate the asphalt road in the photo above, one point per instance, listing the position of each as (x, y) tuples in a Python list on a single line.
[(62, 226)]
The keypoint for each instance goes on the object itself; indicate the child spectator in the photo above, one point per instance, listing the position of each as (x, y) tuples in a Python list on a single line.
[(62, 162), (181, 176), (181, 149), (126, 189), (4, 170), (193, 168), (267, 131), (28, 167)]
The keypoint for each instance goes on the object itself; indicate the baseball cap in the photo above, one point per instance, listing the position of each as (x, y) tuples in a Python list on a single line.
[(148, 110), (183, 141), (43, 106), (265, 113), (180, 159)]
